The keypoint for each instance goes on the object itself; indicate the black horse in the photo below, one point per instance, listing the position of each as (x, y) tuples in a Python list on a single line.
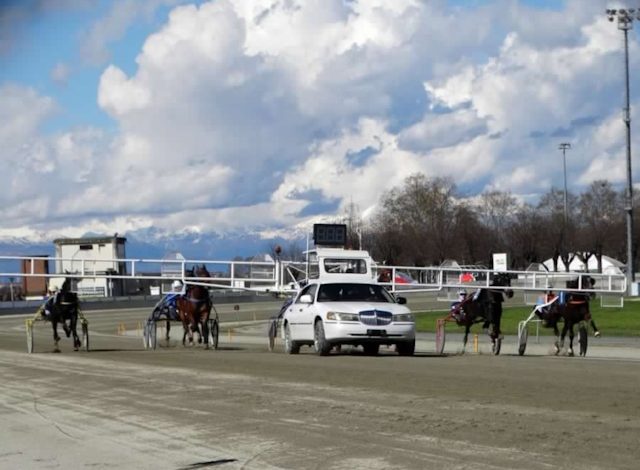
[(63, 307), (572, 307), (485, 306)]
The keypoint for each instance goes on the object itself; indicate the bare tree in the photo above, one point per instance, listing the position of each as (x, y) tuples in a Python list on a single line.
[(559, 235), (353, 220), (496, 210), (424, 210), (600, 221), (525, 237)]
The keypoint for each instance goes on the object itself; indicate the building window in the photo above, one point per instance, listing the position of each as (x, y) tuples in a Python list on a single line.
[(86, 247)]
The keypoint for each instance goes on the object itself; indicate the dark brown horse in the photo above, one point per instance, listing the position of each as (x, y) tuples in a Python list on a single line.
[(62, 307), (484, 306), (572, 307), (194, 307)]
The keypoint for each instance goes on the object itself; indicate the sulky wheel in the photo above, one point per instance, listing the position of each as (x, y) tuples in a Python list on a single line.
[(85, 335), (271, 334), (145, 335), (214, 333), (150, 335), (29, 330), (522, 340), (440, 336)]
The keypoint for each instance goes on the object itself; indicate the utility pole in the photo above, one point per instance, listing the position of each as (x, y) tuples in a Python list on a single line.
[(625, 23), (564, 146)]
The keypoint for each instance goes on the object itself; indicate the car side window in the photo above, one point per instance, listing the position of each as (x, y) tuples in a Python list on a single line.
[(309, 290)]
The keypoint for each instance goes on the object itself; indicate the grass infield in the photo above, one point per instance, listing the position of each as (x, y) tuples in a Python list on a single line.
[(611, 321)]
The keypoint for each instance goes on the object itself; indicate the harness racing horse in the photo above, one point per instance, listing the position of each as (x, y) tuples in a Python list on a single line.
[(63, 307), (194, 308), (575, 310), (485, 306)]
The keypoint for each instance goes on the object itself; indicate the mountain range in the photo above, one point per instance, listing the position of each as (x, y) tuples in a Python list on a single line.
[(151, 244)]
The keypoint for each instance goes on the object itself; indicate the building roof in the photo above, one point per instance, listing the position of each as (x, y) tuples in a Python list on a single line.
[(89, 240)]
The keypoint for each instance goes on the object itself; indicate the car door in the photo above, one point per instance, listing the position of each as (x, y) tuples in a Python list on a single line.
[(301, 315)]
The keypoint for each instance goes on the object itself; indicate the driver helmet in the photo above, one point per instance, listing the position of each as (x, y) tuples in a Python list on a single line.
[(176, 286), (462, 293)]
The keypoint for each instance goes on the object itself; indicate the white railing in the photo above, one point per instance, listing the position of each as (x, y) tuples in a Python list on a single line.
[(286, 275)]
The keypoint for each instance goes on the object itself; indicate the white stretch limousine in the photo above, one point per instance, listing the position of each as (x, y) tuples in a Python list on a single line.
[(344, 305)]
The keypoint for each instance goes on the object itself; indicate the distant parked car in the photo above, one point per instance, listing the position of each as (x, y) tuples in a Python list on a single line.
[(400, 277), (403, 278)]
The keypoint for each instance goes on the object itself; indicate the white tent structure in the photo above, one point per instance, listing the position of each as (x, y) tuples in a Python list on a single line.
[(609, 265)]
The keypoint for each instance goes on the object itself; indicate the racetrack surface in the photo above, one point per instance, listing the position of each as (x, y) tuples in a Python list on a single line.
[(242, 407)]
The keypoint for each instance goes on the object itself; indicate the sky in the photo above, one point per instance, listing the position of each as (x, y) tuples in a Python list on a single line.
[(263, 116)]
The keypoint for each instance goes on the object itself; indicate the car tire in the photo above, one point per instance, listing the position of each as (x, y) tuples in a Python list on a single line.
[(290, 346), (406, 348), (320, 343)]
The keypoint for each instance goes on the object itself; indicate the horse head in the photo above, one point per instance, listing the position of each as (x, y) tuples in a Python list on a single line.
[(201, 271), (503, 280), (588, 282)]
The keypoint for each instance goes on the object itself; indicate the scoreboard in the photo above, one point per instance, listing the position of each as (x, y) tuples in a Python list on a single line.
[(330, 234)]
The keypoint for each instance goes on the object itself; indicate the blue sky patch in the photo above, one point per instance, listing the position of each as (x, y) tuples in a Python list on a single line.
[(360, 158)]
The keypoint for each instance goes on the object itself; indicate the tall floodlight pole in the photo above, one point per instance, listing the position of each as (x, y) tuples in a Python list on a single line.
[(564, 146), (625, 23)]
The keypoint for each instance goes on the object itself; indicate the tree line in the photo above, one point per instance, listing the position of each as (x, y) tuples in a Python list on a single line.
[(426, 221)]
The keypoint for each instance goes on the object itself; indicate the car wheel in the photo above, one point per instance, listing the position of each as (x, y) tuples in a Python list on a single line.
[(320, 343), (290, 346), (406, 348), (371, 349)]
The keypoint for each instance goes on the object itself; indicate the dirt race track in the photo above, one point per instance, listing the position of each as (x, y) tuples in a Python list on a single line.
[(241, 407)]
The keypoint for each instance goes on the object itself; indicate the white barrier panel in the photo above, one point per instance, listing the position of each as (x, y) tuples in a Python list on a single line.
[(286, 275)]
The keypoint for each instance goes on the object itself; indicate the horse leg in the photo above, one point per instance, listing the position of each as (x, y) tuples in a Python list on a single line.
[(196, 329), (189, 328), (73, 324), (205, 332), (596, 332), (56, 338), (497, 318), (571, 339), (560, 338), (466, 336), (167, 329)]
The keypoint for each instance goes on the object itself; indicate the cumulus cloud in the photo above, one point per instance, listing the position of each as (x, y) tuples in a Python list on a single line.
[(271, 113)]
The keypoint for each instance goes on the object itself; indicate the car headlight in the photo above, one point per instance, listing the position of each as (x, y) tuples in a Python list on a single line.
[(406, 317), (342, 316)]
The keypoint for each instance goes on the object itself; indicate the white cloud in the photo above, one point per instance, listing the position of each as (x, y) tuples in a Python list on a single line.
[(266, 113), (119, 96)]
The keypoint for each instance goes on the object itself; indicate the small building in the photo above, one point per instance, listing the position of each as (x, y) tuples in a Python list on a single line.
[(34, 285), (93, 255), (261, 271)]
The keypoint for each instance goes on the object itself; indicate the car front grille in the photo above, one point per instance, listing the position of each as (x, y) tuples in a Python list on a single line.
[(375, 317)]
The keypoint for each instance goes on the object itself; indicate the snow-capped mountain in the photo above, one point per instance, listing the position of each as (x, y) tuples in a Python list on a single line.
[(152, 244)]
